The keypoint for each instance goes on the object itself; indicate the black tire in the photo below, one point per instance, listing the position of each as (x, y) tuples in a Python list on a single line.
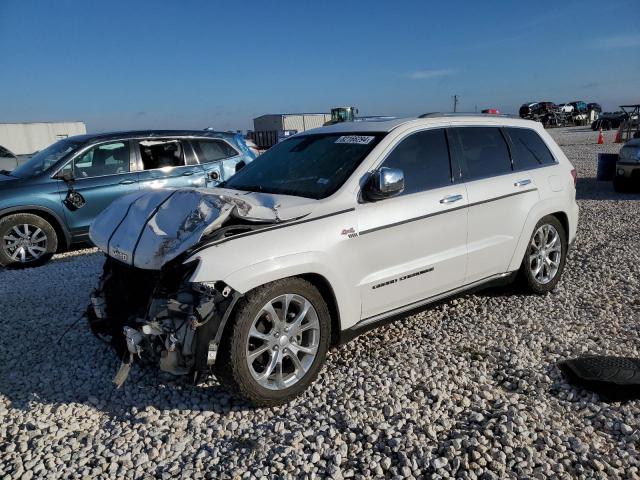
[(17, 220), (620, 184), (527, 281), (232, 368)]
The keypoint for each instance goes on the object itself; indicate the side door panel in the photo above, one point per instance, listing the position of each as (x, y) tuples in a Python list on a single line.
[(413, 246), (99, 187), (499, 204), (498, 208)]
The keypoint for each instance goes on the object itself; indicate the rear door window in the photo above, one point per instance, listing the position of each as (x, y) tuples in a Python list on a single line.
[(161, 154), (213, 150), (423, 157), (483, 151), (528, 149)]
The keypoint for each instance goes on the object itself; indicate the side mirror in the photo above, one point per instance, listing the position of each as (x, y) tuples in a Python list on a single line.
[(240, 165), (68, 178), (384, 183)]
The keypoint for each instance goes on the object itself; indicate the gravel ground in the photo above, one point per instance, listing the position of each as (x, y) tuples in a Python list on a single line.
[(469, 388)]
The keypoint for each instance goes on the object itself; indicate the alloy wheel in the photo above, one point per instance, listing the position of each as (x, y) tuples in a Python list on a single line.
[(545, 254), (25, 243), (283, 341)]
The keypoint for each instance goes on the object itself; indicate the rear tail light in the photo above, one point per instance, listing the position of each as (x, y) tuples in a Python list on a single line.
[(574, 174)]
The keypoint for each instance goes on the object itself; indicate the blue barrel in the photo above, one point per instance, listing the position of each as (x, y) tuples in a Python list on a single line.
[(606, 166)]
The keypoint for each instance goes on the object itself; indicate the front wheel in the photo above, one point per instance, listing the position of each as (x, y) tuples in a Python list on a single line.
[(545, 256), (277, 342), (26, 240)]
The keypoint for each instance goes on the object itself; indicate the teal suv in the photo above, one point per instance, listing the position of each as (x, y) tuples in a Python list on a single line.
[(48, 203)]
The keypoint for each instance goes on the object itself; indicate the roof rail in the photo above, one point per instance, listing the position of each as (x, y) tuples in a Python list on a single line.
[(460, 114)]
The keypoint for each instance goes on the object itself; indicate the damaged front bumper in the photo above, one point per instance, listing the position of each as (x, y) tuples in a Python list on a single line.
[(160, 316)]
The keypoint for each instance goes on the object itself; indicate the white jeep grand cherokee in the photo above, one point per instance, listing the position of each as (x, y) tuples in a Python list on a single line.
[(327, 234)]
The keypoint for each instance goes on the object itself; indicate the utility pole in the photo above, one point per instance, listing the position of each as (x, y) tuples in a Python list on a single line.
[(455, 103)]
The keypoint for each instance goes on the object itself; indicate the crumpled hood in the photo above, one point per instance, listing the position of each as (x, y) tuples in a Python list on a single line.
[(148, 229)]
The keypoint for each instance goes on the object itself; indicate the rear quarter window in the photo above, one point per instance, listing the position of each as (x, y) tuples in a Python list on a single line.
[(528, 149), (213, 150)]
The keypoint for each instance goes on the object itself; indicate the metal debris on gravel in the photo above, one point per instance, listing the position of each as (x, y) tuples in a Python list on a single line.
[(468, 388)]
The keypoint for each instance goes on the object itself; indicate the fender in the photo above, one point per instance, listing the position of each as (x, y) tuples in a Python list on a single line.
[(541, 209), (314, 262), (39, 208)]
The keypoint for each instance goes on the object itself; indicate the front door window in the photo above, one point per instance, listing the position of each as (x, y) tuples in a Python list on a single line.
[(105, 159)]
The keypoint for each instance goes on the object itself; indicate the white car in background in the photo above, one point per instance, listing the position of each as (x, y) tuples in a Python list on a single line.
[(325, 235), (565, 108)]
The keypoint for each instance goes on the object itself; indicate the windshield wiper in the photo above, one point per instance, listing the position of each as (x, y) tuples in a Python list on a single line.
[(6, 173)]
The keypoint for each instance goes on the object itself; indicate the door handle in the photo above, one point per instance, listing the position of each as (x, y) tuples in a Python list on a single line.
[(186, 174), (451, 199), (127, 182), (522, 183)]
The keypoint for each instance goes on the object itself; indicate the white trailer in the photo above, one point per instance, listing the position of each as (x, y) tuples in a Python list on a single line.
[(28, 138)]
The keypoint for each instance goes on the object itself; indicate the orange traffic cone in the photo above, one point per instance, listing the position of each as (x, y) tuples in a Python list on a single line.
[(619, 135), (600, 138)]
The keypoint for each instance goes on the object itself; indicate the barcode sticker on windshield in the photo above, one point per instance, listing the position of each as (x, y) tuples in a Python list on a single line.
[(359, 139)]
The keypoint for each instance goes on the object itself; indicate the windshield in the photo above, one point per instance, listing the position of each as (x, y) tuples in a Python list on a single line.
[(311, 166), (339, 115), (45, 159)]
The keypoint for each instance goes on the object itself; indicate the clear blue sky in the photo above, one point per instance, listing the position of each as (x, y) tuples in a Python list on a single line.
[(120, 64)]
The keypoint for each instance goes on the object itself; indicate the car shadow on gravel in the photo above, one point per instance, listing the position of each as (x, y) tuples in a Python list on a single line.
[(503, 291), (64, 383), (588, 188)]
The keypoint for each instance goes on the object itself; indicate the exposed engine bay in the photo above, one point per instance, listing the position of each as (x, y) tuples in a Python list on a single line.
[(145, 305), (160, 316)]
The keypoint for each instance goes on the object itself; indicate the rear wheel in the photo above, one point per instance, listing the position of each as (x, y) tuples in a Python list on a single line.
[(277, 342), (545, 256), (26, 240)]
